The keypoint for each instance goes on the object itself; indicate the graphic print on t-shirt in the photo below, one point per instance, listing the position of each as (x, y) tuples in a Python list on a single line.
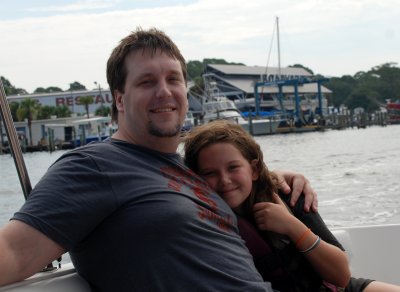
[(177, 178)]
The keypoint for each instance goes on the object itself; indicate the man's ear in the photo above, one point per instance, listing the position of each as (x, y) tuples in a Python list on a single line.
[(119, 100), (255, 173)]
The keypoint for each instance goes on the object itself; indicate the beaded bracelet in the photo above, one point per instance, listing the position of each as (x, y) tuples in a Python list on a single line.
[(314, 245)]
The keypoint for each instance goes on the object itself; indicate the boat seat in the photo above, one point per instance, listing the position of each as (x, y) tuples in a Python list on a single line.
[(61, 280), (373, 251), (344, 238)]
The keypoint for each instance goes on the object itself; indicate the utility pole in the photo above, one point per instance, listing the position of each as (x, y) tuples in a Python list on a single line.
[(279, 48), (101, 96)]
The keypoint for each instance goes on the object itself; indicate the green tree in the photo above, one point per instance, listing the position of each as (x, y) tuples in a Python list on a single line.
[(363, 98), (301, 66), (341, 89), (76, 86), (11, 89), (40, 90), (48, 89), (198, 87), (366, 89), (8, 87), (53, 89), (62, 111), (194, 69), (28, 109), (45, 112), (13, 108), (218, 61), (103, 111), (86, 101), (388, 76)]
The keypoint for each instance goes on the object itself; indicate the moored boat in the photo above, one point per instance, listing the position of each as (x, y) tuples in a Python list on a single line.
[(224, 108)]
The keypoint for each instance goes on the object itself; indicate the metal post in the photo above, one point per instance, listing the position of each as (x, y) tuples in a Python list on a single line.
[(257, 97), (15, 149), (279, 49), (320, 99), (251, 129), (14, 144), (101, 96), (297, 100), (1, 136)]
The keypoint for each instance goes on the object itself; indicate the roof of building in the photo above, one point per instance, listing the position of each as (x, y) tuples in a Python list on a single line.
[(247, 86), (244, 78), (258, 70)]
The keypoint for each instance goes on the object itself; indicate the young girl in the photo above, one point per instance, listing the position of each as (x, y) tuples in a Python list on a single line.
[(293, 250)]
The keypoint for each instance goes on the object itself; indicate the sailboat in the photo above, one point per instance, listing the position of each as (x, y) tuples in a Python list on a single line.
[(294, 118)]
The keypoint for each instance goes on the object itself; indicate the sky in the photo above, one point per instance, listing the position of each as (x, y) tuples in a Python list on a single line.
[(47, 43)]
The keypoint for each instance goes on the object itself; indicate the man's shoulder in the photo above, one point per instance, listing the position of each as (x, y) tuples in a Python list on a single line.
[(93, 147), (91, 151)]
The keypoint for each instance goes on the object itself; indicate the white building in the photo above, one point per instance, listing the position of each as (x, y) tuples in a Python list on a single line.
[(237, 82), (69, 99)]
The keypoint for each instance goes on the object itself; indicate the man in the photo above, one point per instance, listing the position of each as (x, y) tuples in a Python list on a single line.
[(132, 216)]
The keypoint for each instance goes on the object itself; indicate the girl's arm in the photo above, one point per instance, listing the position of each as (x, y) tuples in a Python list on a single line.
[(329, 261)]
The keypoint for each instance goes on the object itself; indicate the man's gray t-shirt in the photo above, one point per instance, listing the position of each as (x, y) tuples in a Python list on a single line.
[(134, 219)]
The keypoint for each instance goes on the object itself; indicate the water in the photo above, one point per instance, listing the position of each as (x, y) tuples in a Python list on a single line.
[(355, 172), (11, 195)]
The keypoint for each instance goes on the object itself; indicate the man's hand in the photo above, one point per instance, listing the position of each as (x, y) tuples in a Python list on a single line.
[(296, 183)]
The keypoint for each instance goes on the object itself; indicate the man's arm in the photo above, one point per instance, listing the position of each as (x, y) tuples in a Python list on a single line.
[(24, 251), (298, 184)]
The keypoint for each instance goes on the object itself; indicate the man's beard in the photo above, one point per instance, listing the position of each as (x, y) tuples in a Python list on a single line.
[(158, 132)]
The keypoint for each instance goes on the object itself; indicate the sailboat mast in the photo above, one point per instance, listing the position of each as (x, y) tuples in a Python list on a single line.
[(279, 47)]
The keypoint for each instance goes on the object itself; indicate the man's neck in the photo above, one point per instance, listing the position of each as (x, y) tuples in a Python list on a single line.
[(160, 144)]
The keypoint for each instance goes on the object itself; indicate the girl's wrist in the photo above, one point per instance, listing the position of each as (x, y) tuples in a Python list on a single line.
[(297, 228)]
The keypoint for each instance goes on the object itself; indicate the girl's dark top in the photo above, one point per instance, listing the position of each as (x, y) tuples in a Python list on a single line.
[(278, 260)]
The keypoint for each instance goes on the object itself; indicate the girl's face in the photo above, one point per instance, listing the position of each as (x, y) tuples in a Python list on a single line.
[(227, 172)]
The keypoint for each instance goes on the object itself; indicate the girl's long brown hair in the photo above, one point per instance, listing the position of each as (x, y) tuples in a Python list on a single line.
[(223, 131)]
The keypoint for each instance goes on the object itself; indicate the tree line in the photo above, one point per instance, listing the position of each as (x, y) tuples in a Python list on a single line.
[(10, 89), (369, 90)]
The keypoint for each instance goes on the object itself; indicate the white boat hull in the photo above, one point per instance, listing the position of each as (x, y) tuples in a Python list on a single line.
[(225, 109), (261, 127)]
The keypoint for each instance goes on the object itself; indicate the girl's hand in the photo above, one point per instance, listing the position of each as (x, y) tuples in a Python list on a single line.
[(273, 216)]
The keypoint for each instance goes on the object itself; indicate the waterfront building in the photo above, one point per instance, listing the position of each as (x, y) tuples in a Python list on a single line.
[(237, 82), (69, 99)]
